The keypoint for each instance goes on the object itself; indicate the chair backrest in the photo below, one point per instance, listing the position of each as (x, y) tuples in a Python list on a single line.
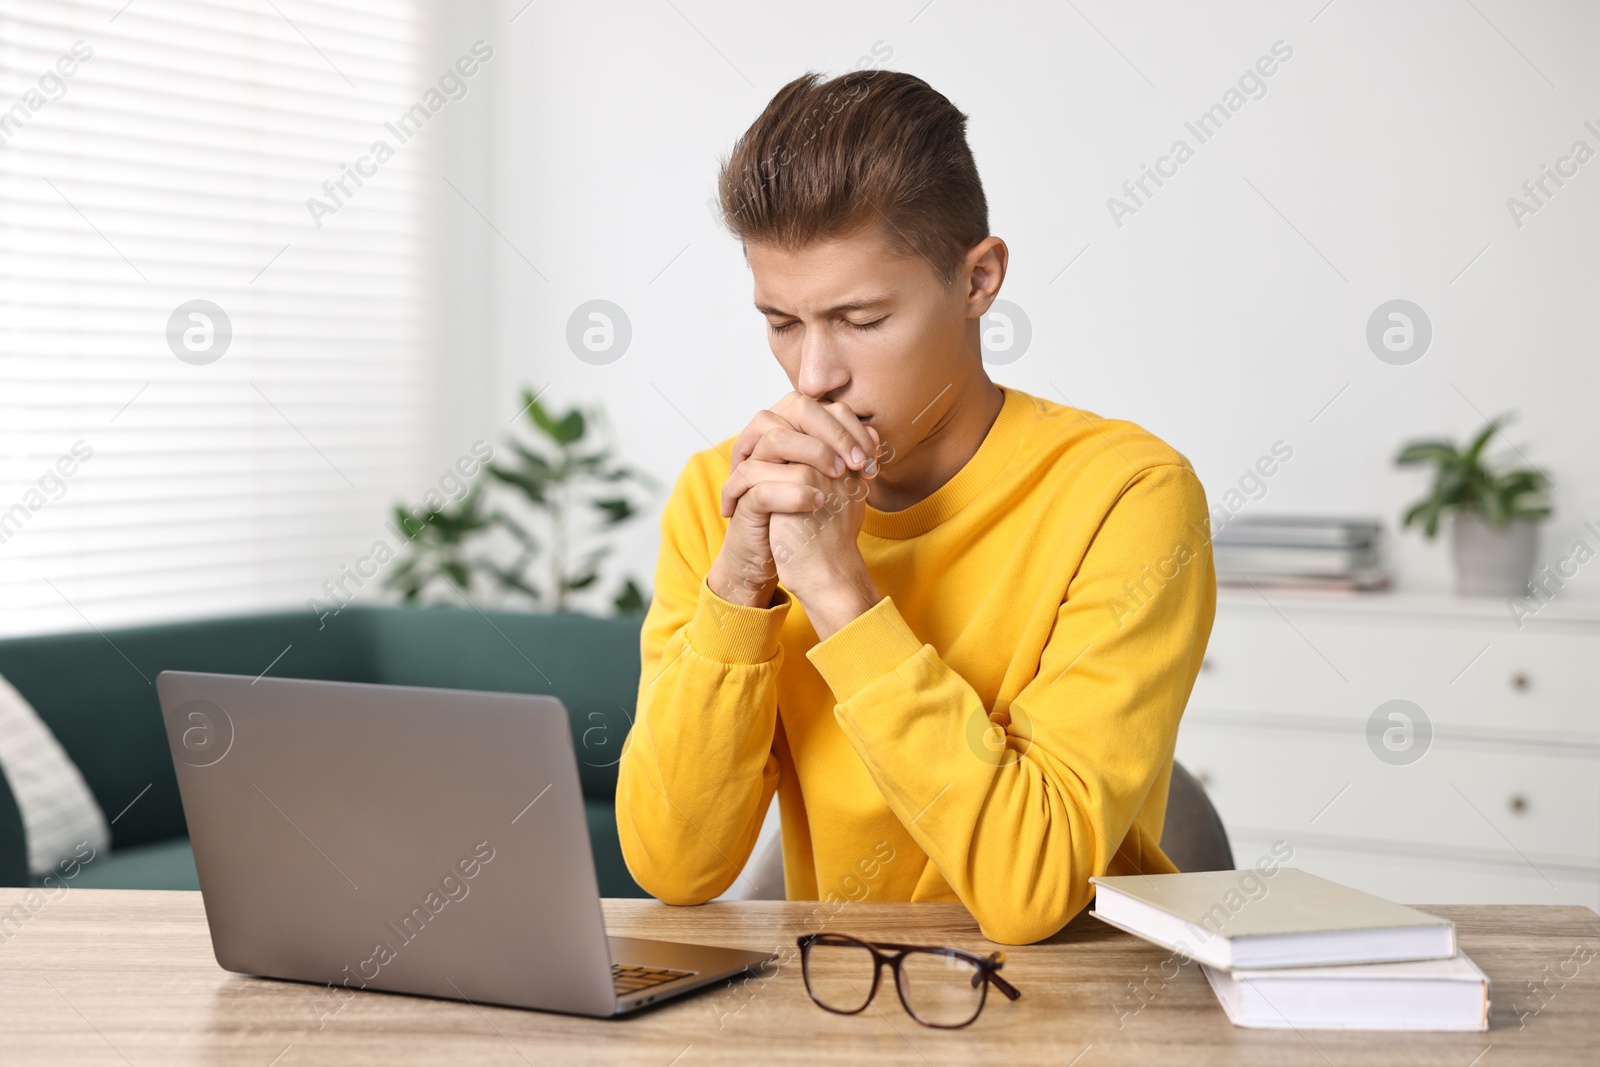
[(1193, 837)]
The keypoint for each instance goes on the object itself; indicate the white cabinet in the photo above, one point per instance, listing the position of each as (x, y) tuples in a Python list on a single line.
[(1424, 748)]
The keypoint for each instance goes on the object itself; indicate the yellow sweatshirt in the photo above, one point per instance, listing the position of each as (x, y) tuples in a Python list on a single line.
[(995, 730)]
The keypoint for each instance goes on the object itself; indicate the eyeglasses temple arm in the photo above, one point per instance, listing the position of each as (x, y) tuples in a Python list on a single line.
[(996, 961), (1004, 986)]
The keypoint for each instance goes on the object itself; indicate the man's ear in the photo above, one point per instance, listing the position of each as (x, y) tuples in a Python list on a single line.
[(984, 270)]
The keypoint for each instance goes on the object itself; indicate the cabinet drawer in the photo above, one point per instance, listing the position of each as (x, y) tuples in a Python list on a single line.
[(1417, 880), (1516, 806), (1305, 664)]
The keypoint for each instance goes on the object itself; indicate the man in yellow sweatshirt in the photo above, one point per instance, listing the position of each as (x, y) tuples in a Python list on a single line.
[(952, 625)]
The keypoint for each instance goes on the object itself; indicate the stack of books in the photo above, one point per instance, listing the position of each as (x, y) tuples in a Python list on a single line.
[(1303, 552), (1284, 949)]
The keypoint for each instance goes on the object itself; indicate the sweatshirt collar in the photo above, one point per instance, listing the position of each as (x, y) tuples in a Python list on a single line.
[(999, 446)]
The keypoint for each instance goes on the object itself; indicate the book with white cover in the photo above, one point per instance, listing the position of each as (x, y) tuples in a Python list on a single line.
[(1297, 530), (1314, 562), (1450, 994), (1282, 917)]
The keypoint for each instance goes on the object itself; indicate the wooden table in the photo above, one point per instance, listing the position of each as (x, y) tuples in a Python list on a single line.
[(124, 977)]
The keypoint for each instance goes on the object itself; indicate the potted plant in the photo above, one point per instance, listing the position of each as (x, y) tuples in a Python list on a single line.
[(1494, 509), (556, 481), (559, 476)]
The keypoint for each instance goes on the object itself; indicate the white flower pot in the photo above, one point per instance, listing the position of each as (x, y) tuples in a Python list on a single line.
[(1490, 561)]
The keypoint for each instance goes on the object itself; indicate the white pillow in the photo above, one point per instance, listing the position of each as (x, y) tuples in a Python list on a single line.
[(58, 810)]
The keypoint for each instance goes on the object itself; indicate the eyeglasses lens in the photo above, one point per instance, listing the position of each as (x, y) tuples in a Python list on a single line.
[(840, 975), (941, 990)]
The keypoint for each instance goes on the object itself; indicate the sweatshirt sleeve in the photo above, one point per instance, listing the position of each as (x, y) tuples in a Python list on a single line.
[(1019, 806), (697, 771)]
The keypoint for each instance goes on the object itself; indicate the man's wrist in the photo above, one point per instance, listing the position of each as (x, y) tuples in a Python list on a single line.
[(747, 590), (833, 605)]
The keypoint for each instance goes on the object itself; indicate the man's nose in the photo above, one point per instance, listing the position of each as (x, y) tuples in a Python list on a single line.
[(821, 370)]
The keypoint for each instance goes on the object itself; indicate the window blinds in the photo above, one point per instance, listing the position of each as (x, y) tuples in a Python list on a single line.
[(210, 391)]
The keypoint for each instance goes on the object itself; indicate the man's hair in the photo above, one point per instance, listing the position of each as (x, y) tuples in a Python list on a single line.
[(828, 157)]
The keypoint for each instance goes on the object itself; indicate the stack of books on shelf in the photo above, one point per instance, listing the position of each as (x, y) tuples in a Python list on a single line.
[(1283, 949), (1340, 555)]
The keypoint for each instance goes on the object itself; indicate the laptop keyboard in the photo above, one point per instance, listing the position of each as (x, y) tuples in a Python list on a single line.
[(630, 979)]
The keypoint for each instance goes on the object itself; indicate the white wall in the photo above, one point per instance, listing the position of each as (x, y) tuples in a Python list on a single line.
[(1389, 143)]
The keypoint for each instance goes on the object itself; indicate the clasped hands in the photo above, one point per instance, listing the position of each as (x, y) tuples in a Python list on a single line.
[(795, 499)]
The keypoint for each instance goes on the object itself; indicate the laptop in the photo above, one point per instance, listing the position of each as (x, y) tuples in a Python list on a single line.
[(426, 841)]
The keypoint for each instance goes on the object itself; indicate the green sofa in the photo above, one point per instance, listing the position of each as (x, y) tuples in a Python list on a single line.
[(96, 692)]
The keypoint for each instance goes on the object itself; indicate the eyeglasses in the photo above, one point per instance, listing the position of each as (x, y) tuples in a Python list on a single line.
[(940, 987)]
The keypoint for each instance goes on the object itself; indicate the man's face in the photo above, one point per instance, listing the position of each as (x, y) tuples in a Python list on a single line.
[(851, 319)]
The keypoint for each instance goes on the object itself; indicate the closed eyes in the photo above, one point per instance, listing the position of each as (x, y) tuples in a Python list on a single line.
[(862, 326)]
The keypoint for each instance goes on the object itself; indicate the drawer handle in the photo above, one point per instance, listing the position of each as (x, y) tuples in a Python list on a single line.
[(1518, 803), (1519, 681)]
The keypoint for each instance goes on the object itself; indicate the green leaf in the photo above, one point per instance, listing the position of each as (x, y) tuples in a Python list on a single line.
[(1452, 485), (408, 524), (455, 527), (516, 530), (1475, 449), (1494, 509), (617, 509), (535, 465), (1430, 517), (1442, 452), (582, 582), (510, 578), (537, 414), (1522, 481), (630, 601), (532, 488), (570, 428)]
